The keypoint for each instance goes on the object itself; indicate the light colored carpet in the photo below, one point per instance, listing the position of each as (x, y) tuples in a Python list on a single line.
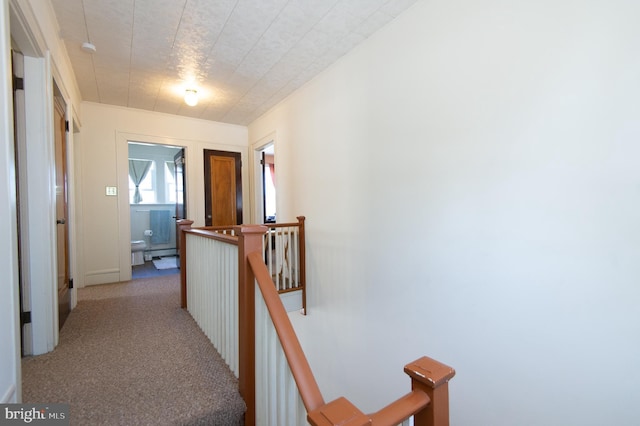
[(129, 355), (166, 263)]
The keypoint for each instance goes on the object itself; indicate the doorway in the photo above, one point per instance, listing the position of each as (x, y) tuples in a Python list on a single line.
[(268, 163), (41, 115), (156, 201), (264, 181), (179, 176), (223, 188)]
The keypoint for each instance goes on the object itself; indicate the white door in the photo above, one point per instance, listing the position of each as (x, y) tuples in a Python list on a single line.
[(9, 325)]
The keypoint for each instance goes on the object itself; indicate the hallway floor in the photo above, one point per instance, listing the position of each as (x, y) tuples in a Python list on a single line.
[(129, 355), (148, 270)]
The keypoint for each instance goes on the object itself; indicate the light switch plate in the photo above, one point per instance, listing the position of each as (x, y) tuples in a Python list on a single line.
[(112, 190)]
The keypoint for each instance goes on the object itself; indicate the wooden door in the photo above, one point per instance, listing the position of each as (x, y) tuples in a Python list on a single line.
[(62, 226), (223, 188)]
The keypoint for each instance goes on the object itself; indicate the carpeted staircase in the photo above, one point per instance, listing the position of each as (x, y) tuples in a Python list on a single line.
[(129, 355)]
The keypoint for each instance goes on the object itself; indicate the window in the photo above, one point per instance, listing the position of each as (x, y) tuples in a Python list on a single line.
[(146, 187), (169, 182), (152, 167)]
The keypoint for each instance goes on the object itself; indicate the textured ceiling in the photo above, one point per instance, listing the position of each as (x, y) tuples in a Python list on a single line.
[(243, 56)]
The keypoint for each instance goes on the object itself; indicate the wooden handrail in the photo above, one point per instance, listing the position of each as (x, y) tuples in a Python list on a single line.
[(402, 408), (218, 229), (285, 225), (427, 376), (185, 227), (428, 402), (206, 233), (302, 374), (301, 283)]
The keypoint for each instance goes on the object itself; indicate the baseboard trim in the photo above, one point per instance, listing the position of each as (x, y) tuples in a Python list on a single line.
[(103, 276), (9, 395)]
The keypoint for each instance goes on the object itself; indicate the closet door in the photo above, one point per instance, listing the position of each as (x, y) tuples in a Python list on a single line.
[(62, 226), (223, 188)]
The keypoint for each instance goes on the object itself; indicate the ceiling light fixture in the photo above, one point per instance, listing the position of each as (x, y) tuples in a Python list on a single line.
[(88, 47), (191, 97)]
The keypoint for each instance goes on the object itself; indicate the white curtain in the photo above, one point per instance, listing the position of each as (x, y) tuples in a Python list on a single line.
[(138, 170)]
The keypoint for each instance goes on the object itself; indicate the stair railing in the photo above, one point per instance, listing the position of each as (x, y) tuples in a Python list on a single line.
[(284, 253), (427, 403), (274, 376), (209, 287)]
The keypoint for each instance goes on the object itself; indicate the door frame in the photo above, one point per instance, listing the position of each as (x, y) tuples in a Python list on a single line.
[(257, 212), (11, 383), (60, 106), (195, 187), (123, 273), (237, 156), (19, 143), (180, 178), (38, 237), (37, 192)]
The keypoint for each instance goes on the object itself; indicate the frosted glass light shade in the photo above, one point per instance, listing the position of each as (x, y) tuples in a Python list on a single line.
[(191, 97)]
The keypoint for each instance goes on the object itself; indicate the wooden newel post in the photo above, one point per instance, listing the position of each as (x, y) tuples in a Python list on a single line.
[(303, 262), (432, 377), (250, 239), (183, 225)]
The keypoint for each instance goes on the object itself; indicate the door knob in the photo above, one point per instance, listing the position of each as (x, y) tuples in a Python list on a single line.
[(61, 221)]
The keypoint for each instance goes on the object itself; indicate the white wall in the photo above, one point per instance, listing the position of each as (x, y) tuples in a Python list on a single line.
[(106, 131), (471, 185)]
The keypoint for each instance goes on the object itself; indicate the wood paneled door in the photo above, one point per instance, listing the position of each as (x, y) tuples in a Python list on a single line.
[(62, 226), (223, 188)]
